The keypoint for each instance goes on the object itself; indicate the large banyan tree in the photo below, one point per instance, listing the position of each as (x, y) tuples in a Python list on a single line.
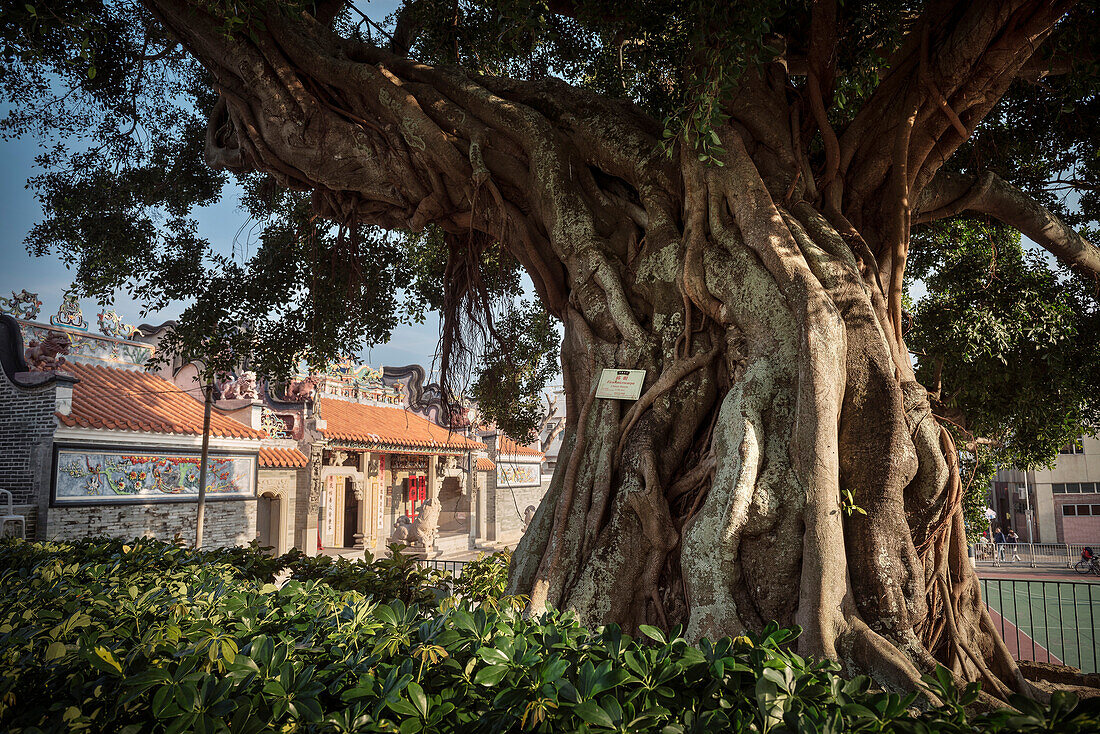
[(724, 195)]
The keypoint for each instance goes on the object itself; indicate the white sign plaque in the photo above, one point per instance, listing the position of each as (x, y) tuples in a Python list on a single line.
[(620, 384)]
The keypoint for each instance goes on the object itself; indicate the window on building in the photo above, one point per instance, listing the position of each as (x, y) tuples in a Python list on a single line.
[(1069, 510), (1072, 448), (1095, 510), (1088, 488), (1073, 488), (1058, 488)]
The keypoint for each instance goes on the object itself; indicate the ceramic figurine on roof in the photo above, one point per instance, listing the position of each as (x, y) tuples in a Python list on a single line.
[(24, 305), (301, 389), (45, 356), (69, 314), (110, 324), (237, 387)]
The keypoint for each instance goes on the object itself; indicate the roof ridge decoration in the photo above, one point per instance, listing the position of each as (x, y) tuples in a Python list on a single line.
[(69, 314), (110, 323), (92, 348), (23, 305), (345, 380), (426, 399)]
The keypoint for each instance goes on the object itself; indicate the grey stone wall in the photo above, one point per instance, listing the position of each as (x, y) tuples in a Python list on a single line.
[(505, 524), (225, 523), (27, 425)]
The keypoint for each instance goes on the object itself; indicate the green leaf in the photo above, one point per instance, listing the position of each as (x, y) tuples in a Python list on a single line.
[(490, 675), (108, 657), (593, 714), (416, 695), (55, 650), (493, 656), (652, 632)]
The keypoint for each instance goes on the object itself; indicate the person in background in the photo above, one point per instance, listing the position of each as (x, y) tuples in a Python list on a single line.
[(1013, 540), (999, 543)]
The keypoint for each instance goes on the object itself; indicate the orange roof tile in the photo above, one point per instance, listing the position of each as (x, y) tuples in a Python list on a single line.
[(484, 464), (131, 400), (375, 424), (277, 457), (508, 447)]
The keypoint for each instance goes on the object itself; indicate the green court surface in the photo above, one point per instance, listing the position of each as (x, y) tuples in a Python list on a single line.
[(1047, 621)]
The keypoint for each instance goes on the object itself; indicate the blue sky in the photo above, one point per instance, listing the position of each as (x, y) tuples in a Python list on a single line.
[(223, 224)]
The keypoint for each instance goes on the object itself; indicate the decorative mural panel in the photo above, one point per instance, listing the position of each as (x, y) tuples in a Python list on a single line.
[(91, 348), (519, 475), (112, 476)]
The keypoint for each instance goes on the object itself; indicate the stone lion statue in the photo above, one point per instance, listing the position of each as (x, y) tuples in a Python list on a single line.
[(45, 356), (424, 527), (401, 530)]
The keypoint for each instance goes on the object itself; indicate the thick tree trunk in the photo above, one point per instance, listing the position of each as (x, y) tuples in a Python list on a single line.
[(777, 382), (715, 502)]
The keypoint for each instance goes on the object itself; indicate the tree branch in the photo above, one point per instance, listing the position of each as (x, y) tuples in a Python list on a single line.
[(1006, 203)]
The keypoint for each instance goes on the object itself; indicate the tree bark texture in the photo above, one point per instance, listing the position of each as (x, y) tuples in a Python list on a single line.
[(761, 296)]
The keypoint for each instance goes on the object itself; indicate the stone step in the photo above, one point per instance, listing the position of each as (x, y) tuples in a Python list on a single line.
[(452, 543)]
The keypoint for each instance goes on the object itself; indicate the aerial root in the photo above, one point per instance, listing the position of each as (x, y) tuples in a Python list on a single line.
[(653, 513), (668, 379)]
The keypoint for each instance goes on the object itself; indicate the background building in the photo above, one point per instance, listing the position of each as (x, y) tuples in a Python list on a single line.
[(340, 460), (1065, 500)]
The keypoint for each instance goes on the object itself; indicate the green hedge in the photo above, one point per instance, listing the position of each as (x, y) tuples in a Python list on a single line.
[(104, 636)]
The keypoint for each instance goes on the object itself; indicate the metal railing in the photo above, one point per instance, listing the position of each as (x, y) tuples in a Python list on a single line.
[(1051, 555), (1047, 621), (452, 567)]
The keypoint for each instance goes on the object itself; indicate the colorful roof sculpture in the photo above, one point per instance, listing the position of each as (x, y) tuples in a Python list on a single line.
[(374, 424), (129, 400), (508, 447), (282, 458)]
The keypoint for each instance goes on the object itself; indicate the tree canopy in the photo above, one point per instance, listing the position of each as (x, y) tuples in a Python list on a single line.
[(121, 111)]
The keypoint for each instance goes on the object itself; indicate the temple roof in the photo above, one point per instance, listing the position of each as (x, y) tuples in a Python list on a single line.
[(129, 400), (484, 464), (508, 447), (374, 424), (279, 457)]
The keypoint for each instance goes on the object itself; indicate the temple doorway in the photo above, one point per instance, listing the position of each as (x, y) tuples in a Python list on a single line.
[(351, 514), (454, 508), (268, 521)]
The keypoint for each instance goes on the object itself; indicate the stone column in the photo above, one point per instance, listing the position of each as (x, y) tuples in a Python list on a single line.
[(433, 494)]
